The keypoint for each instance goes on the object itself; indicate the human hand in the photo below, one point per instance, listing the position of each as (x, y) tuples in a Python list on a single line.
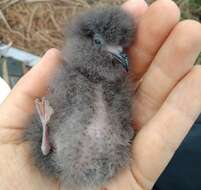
[(167, 101), (165, 121)]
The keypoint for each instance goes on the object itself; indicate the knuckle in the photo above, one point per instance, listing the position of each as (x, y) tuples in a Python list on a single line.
[(170, 5), (158, 13), (190, 27), (165, 7), (188, 36)]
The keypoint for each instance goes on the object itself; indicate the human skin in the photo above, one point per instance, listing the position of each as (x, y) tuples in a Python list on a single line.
[(167, 100)]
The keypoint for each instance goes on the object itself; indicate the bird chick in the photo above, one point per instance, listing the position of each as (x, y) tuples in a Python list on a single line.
[(89, 134)]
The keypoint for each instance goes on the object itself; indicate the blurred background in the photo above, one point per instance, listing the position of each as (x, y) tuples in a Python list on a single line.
[(37, 25)]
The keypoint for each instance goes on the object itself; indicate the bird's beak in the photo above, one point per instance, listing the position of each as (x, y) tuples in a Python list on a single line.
[(119, 55)]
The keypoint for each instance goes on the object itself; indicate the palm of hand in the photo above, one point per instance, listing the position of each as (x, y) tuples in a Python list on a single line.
[(162, 103)]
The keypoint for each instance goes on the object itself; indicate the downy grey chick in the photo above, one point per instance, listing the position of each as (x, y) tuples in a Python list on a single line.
[(90, 129)]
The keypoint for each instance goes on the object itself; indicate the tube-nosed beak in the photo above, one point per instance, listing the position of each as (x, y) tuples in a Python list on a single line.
[(120, 56)]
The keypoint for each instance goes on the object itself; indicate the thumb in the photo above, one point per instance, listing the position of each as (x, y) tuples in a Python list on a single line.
[(19, 105)]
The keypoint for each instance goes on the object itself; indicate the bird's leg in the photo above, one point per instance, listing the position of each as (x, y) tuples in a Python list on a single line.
[(44, 111)]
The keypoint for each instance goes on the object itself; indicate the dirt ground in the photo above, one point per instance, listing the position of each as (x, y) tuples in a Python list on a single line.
[(36, 25)]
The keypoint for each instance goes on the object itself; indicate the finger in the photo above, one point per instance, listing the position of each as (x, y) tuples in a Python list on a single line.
[(20, 103), (152, 30), (136, 8), (174, 59), (167, 129)]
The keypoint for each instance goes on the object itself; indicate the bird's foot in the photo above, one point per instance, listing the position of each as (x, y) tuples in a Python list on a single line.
[(44, 111)]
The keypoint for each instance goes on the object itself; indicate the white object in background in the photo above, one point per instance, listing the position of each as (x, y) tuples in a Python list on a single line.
[(20, 55), (4, 48), (4, 90)]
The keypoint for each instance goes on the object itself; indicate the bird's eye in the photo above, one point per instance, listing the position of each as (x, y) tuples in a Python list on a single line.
[(98, 41)]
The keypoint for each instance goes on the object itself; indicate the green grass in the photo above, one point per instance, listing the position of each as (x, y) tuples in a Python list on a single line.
[(190, 9)]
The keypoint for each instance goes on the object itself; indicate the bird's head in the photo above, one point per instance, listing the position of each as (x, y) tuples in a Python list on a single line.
[(103, 34)]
